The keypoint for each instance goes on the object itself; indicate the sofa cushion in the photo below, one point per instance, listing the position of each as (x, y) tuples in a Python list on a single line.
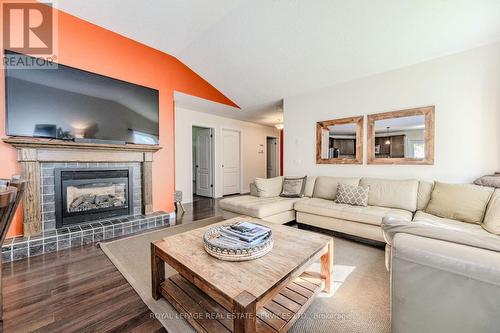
[(258, 206), (309, 190), (432, 226), (369, 215), (491, 220), (463, 202), (269, 187), (424, 194), (352, 195), (401, 194), (326, 187)]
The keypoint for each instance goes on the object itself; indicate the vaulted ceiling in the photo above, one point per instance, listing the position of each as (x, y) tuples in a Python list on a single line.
[(261, 51)]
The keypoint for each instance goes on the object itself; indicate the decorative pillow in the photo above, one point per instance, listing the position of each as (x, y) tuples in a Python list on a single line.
[(352, 195), (269, 187), (293, 187), (462, 202)]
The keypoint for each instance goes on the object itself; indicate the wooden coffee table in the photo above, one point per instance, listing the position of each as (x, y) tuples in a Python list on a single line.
[(264, 295)]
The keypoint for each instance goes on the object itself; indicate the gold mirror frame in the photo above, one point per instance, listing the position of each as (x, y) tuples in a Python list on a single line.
[(359, 122), (428, 112)]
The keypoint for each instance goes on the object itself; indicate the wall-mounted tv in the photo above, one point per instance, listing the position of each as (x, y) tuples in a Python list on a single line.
[(68, 103)]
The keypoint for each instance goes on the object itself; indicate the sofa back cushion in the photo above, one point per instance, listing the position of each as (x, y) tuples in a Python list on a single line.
[(401, 194), (424, 194), (309, 190), (492, 218), (326, 187), (269, 187), (463, 202)]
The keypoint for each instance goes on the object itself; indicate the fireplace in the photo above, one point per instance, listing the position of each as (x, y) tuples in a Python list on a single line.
[(83, 195)]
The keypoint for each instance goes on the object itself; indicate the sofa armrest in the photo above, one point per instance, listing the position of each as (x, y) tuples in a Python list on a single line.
[(479, 238), (441, 286)]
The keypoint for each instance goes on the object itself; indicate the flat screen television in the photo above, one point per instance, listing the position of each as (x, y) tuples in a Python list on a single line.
[(70, 103)]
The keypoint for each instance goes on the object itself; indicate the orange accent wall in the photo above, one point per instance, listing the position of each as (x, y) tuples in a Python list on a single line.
[(93, 48)]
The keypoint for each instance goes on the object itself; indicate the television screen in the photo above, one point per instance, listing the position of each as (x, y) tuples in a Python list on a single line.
[(71, 103)]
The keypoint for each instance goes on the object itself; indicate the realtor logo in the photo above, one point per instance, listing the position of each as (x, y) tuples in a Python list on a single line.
[(29, 34), (28, 27)]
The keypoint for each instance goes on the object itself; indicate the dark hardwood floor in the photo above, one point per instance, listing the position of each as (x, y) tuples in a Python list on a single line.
[(80, 290)]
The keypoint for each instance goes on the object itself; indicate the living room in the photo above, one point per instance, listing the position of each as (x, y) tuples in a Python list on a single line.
[(233, 166)]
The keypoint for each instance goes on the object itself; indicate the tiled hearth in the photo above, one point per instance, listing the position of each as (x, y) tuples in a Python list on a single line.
[(87, 233)]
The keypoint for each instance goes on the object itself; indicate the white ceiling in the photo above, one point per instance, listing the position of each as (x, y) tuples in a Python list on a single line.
[(259, 52)]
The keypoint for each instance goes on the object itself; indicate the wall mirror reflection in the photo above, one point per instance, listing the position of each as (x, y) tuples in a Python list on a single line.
[(340, 141), (401, 137)]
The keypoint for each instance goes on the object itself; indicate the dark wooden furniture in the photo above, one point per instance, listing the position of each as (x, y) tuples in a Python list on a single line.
[(395, 149), (346, 147), (263, 295), (10, 196), (396, 154)]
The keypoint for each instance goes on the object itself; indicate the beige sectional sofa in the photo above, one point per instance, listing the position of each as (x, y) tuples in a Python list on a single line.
[(317, 209), (445, 271)]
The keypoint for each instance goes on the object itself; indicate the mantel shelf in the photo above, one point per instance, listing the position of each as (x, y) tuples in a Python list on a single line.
[(40, 143)]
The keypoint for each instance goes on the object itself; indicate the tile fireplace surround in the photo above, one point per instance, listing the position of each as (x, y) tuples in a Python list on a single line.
[(40, 157)]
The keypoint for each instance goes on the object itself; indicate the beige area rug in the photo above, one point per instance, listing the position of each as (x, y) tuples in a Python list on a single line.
[(360, 302)]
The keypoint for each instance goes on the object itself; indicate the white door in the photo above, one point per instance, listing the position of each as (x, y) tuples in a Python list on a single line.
[(272, 158), (204, 183), (230, 162)]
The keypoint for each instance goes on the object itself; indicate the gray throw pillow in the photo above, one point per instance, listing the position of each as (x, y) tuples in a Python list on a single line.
[(352, 195), (293, 187)]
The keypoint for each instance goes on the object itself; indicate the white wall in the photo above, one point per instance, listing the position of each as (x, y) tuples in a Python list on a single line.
[(465, 88), (252, 137)]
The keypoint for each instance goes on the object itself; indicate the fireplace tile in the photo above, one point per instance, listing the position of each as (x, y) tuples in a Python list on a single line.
[(50, 246), (76, 240), (63, 241), (118, 230), (48, 189), (50, 225), (19, 254), (75, 228), (98, 235), (96, 225), (87, 237), (6, 253), (35, 248), (49, 215), (108, 232), (136, 226), (86, 226), (49, 207), (62, 231), (46, 181)]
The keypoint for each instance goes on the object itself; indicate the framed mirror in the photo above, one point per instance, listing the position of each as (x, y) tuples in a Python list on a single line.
[(340, 141), (401, 137)]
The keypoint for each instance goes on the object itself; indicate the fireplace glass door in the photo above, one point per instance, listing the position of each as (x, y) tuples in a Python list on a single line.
[(88, 195)]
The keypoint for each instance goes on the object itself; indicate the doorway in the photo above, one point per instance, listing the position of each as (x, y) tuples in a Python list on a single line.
[(231, 162), (272, 157), (203, 161)]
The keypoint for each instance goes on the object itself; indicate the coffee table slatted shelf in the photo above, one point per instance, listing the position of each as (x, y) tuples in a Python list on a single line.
[(206, 315)]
